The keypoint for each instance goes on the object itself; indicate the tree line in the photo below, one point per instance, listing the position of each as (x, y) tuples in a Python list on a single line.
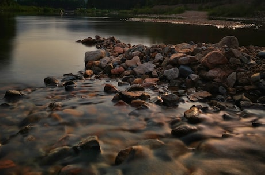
[(114, 4)]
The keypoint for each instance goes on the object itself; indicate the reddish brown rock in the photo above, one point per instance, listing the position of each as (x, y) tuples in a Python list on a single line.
[(4, 164), (117, 71), (109, 88), (118, 50), (217, 74), (213, 59)]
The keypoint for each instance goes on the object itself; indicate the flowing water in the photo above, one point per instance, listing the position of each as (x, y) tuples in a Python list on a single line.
[(34, 47)]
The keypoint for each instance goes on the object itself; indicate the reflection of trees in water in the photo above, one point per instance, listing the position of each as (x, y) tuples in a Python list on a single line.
[(8, 31)]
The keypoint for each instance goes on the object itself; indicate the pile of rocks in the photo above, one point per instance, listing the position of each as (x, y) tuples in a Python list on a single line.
[(222, 71)]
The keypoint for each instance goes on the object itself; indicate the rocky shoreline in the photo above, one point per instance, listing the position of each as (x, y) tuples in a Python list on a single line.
[(189, 108)]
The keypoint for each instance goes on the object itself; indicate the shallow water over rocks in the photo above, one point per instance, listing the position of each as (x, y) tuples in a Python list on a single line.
[(50, 118)]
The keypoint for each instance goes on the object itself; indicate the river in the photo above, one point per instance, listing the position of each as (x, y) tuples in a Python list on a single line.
[(33, 47), (47, 131)]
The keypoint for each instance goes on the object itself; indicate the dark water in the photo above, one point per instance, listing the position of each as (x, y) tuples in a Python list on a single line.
[(33, 47)]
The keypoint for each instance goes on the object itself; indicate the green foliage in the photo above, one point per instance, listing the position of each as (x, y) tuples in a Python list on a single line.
[(232, 11)]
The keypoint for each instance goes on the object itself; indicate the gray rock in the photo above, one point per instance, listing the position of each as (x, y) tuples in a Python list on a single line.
[(144, 68), (183, 130), (229, 41), (158, 57), (95, 55), (231, 79), (185, 71), (171, 73), (104, 61)]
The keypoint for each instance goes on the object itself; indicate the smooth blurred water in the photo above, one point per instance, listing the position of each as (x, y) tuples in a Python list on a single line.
[(33, 47)]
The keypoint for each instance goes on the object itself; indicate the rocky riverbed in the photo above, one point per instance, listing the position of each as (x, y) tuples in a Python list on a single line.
[(188, 108)]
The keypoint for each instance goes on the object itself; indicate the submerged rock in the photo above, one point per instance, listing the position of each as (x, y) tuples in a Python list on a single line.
[(89, 143), (193, 115), (170, 100), (183, 130), (13, 94)]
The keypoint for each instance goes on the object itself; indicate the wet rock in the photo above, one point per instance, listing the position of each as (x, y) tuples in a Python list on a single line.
[(109, 88), (121, 103), (33, 118), (229, 41), (137, 103), (72, 170), (88, 73), (94, 55), (228, 117), (213, 59), (185, 71), (193, 115), (58, 154), (231, 79), (170, 100), (158, 58), (256, 124), (129, 96), (55, 105), (172, 73), (89, 143), (183, 130), (123, 155), (51, 81), (123, 83), (152, 143), (144, 68), (135, 87), (13, 94)]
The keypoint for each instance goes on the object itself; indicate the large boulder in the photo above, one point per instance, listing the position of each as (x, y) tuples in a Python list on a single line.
[(94, 55), (229, 41), (213, 59)]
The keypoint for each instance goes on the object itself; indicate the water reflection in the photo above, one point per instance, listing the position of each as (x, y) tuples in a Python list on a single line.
[(8, 32), (41, 46)]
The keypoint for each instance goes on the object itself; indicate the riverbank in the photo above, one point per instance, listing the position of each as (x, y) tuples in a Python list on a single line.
[(165, 109), (199, 18)]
